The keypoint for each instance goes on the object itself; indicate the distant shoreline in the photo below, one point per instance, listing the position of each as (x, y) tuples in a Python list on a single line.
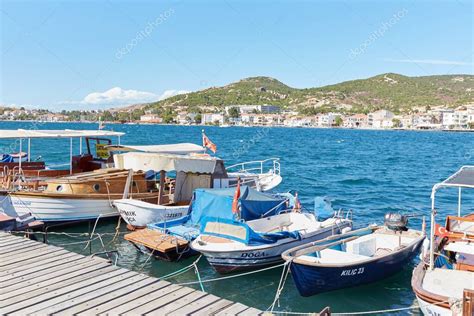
[(254, 126)]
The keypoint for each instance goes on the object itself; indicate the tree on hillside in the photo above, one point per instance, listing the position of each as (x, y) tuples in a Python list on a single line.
[(396, 122), (234, 112)]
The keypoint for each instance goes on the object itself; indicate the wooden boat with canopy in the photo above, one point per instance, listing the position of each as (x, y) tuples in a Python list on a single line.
[(444, 281), (83, 196), (19, 170)]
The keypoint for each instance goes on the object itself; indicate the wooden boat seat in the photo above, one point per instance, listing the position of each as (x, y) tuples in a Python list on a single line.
[(447, 282), (334, 256)]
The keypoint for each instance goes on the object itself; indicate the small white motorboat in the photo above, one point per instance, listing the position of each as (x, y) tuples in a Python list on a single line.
[(139, 214), (231, 245), (252, 173)]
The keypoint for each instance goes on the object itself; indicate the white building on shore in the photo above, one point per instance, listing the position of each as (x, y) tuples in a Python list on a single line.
[(212, 118), (380, 119)]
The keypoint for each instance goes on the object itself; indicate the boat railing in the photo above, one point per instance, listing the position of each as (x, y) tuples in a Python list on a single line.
[(256, 166)]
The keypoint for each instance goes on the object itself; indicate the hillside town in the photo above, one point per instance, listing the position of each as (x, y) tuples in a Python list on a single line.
[(436, 118)]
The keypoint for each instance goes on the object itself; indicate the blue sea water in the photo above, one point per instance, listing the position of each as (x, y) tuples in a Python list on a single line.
[(370, 172)]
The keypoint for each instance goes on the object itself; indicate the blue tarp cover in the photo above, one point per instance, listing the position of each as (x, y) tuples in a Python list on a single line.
[(218, 203)]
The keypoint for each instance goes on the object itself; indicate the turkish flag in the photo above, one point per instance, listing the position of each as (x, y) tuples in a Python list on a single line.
[(235, 201), (206, 142)]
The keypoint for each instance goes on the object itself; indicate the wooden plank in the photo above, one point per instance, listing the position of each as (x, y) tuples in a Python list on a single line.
[(23, 261), (197, 305), (12, 241), (7, 236), (16, 288), (46, 264), (30, 262), (82, 275), (142, 300), (176, 304), (15, 239), (27, 252), (92, 294), (126, 299), (21, 248), (91, 303), (29, 304), (233, 309), (250, 312), (213, 308), (157, 303), (155, 240)]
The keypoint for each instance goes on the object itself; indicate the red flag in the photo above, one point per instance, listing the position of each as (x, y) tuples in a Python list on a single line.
[(297, 206), (206, 142), (441, 231), (235, 201)]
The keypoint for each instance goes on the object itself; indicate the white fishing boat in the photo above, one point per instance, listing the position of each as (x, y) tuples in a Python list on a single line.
[(444, 281), (83, 196), (138, 214), (264, 175), (231, 245)]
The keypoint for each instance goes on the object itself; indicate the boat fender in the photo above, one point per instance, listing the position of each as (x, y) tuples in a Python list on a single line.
[(346, 230), (425, 249)]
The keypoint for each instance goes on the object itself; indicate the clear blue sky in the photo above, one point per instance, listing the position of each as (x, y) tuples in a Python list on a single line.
[(70, 54)]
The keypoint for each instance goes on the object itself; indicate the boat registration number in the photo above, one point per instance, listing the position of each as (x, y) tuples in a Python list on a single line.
[(257, 254), (351, 272)]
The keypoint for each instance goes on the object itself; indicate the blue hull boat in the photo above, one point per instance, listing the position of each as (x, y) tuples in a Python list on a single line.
[(351, 259)]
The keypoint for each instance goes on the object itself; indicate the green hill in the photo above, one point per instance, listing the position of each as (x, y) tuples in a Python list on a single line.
[(390, 91)]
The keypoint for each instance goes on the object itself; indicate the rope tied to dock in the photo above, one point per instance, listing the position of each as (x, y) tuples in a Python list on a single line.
[(281, 285), (231, 276)]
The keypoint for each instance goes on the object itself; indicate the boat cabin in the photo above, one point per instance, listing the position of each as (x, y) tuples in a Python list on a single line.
[(21, 166), (179, 175)]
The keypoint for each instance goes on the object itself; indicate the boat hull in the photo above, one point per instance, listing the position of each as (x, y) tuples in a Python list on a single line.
[(54, 209), (227, 262), (138, 214), (311, 280), (430, 309)]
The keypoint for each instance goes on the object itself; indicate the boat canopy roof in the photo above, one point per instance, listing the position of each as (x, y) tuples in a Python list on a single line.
[(45, 133), (168, 162), (463, 178), (179, 149), (217, 203)]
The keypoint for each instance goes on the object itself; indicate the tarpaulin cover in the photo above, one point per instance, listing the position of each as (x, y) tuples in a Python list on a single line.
[(217, 203)]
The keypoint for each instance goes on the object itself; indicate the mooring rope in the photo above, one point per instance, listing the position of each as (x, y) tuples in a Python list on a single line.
[(281, 285), (232, 276), (381, 311), (196, 270)]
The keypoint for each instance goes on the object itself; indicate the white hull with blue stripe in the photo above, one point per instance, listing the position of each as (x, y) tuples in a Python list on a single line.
[(224, 246)]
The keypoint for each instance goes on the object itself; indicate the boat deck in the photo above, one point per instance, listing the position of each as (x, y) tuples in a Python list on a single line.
[(44, 279), (156, 241), (449, 283)]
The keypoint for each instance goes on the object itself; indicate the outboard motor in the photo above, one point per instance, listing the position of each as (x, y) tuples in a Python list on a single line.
[(396, 221)]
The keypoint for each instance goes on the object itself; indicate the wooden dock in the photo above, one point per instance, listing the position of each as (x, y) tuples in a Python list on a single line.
[(41, 279)]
